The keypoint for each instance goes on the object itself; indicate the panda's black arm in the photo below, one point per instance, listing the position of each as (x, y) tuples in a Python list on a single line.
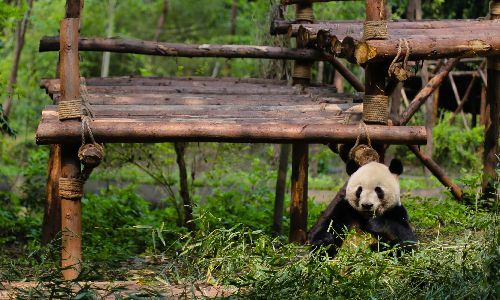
[(331, 231), (394, 227)]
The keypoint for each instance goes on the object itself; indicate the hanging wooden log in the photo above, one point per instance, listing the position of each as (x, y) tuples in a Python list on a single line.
[(185, 50)]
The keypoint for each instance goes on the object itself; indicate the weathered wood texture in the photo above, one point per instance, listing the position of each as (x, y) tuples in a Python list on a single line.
[(298, 201), (434, 83), (71, 210), (437, 172), (185, 50), (51, 225), (290, 2), (279, 199), (167, 110), (355, 27)]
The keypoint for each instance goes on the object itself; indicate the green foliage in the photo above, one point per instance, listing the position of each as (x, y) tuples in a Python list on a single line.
[(121, 222), (4, 124)]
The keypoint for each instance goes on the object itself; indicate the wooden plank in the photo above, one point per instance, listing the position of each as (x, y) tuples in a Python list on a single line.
[(299, 189)]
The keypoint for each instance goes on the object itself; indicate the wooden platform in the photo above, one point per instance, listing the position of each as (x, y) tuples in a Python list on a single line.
[(203, 109)]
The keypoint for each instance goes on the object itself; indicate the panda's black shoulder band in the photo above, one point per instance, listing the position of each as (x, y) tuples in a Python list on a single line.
[(351, 166), (396, 166)]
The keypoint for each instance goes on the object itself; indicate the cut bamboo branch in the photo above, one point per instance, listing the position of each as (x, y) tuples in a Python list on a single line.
[(437, 172), (464, 99), (428, 90), (185, 50), (457, 98)]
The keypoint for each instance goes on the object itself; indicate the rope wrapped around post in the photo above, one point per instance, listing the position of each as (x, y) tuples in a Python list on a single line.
[(375, 30), (375, 109), (71, 188), (304, 12), (495, 7)]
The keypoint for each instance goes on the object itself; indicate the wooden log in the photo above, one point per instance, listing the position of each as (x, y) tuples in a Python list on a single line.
[(279, 199), (51, 225), (298, 201), (71, 210), (185, 50), (290, 2), (347, 74), (129, 131), (355, 27), (429, 47), (437, 172), (306, 37), (464, 99), (427, 91), (457, 98), (322, 218), (348, 48)]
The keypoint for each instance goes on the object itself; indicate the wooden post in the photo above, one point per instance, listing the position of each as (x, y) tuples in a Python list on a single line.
[(300, 152), (71, 209), (376, 73), (280, 190), (298, 203), (52, 212), (492, 125)]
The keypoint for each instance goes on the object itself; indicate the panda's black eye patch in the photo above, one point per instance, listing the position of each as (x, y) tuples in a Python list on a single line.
[(358, 192), (380, 192)]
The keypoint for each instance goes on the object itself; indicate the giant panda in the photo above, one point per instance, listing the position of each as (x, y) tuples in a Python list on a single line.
[(373, 203)]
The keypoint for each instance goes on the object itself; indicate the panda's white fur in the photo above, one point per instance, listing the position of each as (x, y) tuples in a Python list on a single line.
[(369, 177)]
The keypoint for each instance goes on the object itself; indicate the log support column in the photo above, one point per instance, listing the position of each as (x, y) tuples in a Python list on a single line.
[(302, 72), (71, 206), (492, 119)]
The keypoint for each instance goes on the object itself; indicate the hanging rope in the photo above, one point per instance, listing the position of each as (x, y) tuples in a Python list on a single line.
[(363, 154), (375, 30), (85, 98), (375, 108), (400, 71)]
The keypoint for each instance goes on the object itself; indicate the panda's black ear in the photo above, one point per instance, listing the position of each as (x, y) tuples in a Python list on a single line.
[(396, 166), (351, 166)]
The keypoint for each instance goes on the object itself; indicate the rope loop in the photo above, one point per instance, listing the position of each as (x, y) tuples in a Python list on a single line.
[(86, 127), (375, 30), (375, 108), (71, 188), (363, 154), (400, 71)]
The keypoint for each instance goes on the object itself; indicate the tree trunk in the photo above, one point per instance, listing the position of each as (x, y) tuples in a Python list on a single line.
[(410, 10), (180, 148), (20, 33), (161, 21)]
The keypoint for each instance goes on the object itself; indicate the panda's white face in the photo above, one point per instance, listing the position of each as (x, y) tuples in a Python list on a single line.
[(373, 189)]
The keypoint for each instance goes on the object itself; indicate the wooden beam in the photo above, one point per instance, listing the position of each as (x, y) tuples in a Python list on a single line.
[(457, 98), (427, 91), (437, 172), (347, 74), (298, 201), (279, 199), (157, 130), (184, 50), (51, 225)]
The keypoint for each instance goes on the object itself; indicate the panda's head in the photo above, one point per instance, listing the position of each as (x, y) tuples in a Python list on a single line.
[(373, 188)]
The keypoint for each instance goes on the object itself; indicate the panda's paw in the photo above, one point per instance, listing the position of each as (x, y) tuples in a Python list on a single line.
[(377, 226), (322, 239)]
